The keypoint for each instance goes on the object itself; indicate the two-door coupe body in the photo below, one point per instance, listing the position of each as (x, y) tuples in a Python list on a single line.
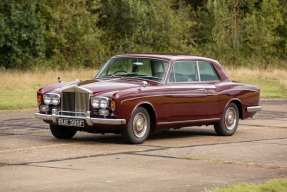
[(135, 94)]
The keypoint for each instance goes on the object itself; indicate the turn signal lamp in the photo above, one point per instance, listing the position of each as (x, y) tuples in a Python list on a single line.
[(113, 105), (39, 99)]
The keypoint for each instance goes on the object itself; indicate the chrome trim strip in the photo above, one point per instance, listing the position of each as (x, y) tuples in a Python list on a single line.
[(188, 121), (253, 109), (90, 121), (198, 73)]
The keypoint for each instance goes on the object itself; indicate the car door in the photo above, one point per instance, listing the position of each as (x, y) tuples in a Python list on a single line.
[(210, 79), (188, 94)]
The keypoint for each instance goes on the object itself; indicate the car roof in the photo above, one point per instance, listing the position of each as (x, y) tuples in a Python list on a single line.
[(167, 56)]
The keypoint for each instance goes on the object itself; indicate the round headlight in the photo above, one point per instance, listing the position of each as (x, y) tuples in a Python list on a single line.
[(95, 102), (104, 103), (56, 99), (47, 99)]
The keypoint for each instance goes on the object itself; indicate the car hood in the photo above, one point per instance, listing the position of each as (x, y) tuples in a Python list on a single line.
[(96, 86), (109, 85)]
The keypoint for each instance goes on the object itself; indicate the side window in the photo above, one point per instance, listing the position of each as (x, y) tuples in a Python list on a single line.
[(159, 68), (184, 71), (207, 72)]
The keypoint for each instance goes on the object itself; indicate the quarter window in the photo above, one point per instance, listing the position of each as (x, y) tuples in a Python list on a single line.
[(207, 72)]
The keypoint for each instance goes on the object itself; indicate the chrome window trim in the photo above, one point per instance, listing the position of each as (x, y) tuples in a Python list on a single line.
[(198, 73)]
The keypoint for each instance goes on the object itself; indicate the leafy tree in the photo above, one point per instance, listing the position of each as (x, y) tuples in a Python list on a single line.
[(21, 33), (260, 29), (142, 26), (72, 35)]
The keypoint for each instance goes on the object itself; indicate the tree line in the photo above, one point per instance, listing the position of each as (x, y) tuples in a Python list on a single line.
[(85, 33)]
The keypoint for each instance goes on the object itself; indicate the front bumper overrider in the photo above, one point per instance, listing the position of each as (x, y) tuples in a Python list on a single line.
[(90, 121)]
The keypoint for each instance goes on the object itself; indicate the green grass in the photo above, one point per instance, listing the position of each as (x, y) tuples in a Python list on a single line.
[(18, 99), (271, 89), (277, 185)]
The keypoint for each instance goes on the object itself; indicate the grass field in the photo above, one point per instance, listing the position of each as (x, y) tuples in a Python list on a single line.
[(272, 83), (18, 89), (277, 185)]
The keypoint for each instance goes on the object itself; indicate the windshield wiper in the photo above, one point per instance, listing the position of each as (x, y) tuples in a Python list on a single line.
[(133, 73), (154, 77)]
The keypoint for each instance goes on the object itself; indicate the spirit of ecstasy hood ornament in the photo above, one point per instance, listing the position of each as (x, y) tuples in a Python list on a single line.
[(60, 80), (78, 81)]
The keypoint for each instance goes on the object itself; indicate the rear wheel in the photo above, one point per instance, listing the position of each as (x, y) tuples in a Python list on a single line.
[(229, 121), (61, 132), (138, 127)]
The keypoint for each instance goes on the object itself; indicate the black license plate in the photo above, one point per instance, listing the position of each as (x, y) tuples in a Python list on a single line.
[(71, 122)]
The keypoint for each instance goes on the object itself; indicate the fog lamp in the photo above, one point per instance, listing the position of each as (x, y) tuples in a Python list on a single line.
[(44, 108), (104, 112)]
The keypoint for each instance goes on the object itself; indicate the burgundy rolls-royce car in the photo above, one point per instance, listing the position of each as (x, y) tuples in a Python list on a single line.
[(136, 94)]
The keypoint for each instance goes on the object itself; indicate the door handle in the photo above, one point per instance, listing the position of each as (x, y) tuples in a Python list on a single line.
[(201, 90)]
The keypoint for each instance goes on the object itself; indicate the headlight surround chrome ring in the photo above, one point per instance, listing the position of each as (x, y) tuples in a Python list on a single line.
[(51, 98), (47, 99), (56, 99), (104, 103), (100, 102), (95, 102)]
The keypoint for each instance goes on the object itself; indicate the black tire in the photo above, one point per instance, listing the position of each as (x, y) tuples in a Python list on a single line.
[(138, 127), (62, 132), (229, 121)]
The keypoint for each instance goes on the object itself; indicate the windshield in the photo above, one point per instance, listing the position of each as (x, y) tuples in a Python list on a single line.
[(144, 68)]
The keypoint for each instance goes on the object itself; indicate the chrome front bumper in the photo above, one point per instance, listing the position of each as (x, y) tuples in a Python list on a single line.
[(90, 121), (254, 109)]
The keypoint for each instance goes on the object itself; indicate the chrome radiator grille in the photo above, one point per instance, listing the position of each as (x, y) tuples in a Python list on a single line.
[(75, 102)]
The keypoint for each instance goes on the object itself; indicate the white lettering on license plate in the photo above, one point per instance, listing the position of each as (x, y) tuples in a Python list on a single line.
[(71, 122)]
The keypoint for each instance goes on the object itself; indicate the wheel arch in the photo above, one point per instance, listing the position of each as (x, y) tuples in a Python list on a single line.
[(238, 104), (151, 111)]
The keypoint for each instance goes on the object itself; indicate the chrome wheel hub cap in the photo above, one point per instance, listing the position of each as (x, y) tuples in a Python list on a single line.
[(139, 125), (230, 118)]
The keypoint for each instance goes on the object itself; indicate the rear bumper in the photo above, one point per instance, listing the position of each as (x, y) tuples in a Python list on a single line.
[(90, 121), (253, 109)]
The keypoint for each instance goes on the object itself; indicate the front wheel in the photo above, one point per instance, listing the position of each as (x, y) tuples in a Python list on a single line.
[(61, 132), (229, 121), (138, 127)]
